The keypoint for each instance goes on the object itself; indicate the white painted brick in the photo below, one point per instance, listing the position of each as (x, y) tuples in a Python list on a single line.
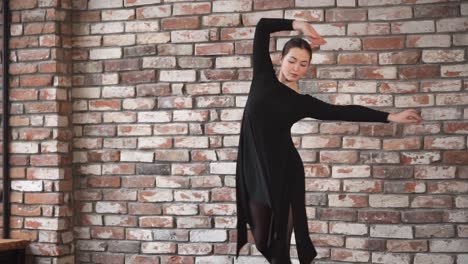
[(119, 40), (101, 4), (342, 44), (110, 207), (136, 156), (154, 116), (251, 19), (391, 231), (201, 35), (139, 103), (24, 147), (141, 26), (158, 247), (458, 70), (153, 38), (190, 115), (118, 91), (233, 62), (223, 167), (448, 245), (315, 3), (425, 41), (413, 27), (208, 235), (452, 24), (348, 228), (357, 86), (226, 6), (107, 28), (424, 258), (120, 14), (388, 200), (460, 39), (159, 62), (390, 13), (213, 259), (27, 186), (191, 142), (177, 76), (105, 53), (391, 258)]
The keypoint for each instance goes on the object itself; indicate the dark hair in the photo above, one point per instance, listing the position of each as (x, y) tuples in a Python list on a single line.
[(297, 43)]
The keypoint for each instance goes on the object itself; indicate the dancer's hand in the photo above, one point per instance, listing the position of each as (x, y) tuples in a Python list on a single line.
[(406, 116), (310, 33)]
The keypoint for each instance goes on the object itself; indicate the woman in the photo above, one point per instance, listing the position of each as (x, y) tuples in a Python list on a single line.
[(270, 175)]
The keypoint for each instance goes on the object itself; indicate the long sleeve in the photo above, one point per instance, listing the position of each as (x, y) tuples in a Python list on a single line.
[(309, 106), (261, 53)]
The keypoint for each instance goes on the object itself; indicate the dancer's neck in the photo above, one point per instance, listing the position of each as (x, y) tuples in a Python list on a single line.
[(291, 84)]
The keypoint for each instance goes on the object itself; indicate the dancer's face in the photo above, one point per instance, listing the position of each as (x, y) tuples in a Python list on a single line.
[(294, 64)]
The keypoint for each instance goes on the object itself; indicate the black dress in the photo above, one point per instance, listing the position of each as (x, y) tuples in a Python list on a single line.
[(269, 169)]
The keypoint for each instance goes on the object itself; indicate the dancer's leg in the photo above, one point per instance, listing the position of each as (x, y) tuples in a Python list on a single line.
[(261, 216), (288, 242), (290, 226)]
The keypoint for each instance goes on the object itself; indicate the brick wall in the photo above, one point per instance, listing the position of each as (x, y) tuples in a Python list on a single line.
[(142, 105), (41, 129)]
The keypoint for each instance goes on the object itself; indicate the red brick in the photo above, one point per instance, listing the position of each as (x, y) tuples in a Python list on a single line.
[(121, 65), (43, 107), (40, 28), (407, 245), (35, 134), (86, 16), (180, 23), (44, 198), (105, 105), (23, 94), (22, 234), (455, 157), (424, 11), (46, 160), (357, 58), (272, 4), (104, 181), (191, 9), (138, 76), (214, 49), (383, 43), (337, 214), (138, 182), (421, 217), (36, 80), (144, 209), (24, 42), (419, 72), (19, 5), (455, 127), (103, 156), (107, 232)]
